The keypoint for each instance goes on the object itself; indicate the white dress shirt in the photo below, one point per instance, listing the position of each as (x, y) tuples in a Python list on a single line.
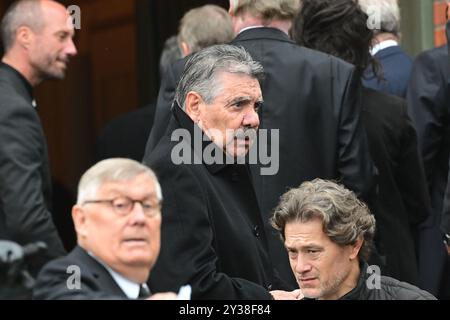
[(383, 45)]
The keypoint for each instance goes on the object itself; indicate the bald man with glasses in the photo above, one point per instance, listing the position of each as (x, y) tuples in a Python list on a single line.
[(117, 219)]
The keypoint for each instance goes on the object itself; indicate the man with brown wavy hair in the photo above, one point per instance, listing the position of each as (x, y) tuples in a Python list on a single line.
[(328, 233)]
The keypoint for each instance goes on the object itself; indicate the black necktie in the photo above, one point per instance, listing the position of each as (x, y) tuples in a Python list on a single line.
[(144, 293)]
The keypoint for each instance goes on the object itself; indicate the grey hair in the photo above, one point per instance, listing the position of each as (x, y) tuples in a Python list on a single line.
[(345, 219), (267, 10), (205, 26), (202, 68), (21, 13), (112, 170), (389, 12), (171, 52)]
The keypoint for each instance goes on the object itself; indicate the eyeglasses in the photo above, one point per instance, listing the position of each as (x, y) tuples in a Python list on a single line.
[(124, 205)]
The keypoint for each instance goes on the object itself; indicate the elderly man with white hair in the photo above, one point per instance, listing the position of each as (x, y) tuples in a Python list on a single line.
[(118, 220), (396, 65)]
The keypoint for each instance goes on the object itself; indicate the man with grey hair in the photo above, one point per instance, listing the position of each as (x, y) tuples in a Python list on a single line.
[(37, 39), (118, 219), (213, 234), (203, 27), (328, 233), (396, 65)]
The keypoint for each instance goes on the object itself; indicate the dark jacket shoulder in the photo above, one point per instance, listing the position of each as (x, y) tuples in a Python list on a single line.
[(76, 276), (375, 287)]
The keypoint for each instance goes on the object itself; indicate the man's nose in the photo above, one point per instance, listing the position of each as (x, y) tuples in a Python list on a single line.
[(302, 265), (137, 213), (251, 119), (71, 49)]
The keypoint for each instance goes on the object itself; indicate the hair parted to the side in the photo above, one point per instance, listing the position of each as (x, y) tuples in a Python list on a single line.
[(345, 219), (202, 68), (21, 13), (112, 170)]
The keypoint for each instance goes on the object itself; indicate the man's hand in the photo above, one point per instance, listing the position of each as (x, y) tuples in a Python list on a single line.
[(164, 296), (286, 295)]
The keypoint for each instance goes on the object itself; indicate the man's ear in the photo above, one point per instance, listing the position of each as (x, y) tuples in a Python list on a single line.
[(232, 8), (355, 248), (447, 11), (185, 50), (79, 220), (193, 102), (24, 36)]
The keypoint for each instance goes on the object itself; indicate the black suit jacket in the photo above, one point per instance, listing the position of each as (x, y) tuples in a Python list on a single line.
[(212, 232), (429, 108), (445, 225), (428, 101), (126, 136), (96, 282), (314, 100), (25, 181), (403, 201)]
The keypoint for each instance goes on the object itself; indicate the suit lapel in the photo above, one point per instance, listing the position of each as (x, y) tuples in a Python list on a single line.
[(97, 271)]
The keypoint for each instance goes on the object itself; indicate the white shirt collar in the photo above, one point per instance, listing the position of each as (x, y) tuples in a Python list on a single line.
[(383, 45), (251, 27), (130, 288)]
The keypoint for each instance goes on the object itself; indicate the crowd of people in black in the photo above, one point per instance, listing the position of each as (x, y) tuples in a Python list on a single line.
[(358, 130)]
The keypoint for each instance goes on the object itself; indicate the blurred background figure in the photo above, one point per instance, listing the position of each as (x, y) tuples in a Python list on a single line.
[(395, 65), (126, 136), (171, 52), (118, 220), (199, 28), (428, 100), (338, 27)]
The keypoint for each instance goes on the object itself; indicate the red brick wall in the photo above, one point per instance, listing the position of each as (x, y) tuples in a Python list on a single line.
[(439, 22)]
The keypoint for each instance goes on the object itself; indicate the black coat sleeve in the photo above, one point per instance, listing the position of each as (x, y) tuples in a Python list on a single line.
[(355, 165), (427, 108), (411, 175), (26, 216), (445, 224), (187, 254)]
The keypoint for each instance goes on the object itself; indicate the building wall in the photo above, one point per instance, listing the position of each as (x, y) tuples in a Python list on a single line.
[(417, 25), (440, 6)]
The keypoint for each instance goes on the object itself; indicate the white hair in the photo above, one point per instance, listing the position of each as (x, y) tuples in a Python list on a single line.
[(389, 13), (111, 170)]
